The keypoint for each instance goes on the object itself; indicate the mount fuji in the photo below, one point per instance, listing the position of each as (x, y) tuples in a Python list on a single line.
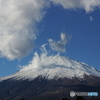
[(53, 67), (50, 78)]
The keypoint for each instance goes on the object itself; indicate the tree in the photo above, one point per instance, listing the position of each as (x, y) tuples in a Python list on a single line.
[(65, 99), (22, 98), (80, 98)]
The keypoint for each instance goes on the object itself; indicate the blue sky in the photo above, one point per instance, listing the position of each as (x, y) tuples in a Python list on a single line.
[(82, 24)]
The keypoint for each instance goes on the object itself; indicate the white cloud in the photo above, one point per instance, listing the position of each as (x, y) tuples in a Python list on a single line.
[(91, 18), (18, 20), (43, 49), (88, 5), (59, 45)]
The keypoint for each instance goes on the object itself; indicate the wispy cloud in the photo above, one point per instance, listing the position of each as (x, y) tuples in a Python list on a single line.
[(18, 20), (59, 45), (88, 5), (43, 60), (91, 18)]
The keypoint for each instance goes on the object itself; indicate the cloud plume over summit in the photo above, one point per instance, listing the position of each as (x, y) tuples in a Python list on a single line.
[(59, 45)]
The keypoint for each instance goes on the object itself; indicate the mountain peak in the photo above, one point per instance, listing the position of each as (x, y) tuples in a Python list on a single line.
[(55, 66)]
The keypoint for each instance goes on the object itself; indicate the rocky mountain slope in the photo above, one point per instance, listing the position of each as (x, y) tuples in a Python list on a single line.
[(53, 80)]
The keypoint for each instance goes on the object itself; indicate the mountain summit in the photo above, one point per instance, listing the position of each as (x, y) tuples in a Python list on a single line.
[(53, 67)]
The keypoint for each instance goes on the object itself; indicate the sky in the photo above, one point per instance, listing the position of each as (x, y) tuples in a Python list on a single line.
[(68, 27)]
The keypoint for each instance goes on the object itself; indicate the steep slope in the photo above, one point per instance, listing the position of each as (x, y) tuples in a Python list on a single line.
[(43, 89), (54, 67)]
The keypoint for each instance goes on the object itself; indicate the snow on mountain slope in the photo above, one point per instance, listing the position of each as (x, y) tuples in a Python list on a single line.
[(54, 66)]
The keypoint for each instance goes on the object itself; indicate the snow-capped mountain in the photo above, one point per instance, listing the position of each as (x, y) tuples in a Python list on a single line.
[(53, 67), (50, 78)]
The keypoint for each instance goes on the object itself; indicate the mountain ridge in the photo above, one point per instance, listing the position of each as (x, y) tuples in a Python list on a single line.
[(44, 89), (58, 67)]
